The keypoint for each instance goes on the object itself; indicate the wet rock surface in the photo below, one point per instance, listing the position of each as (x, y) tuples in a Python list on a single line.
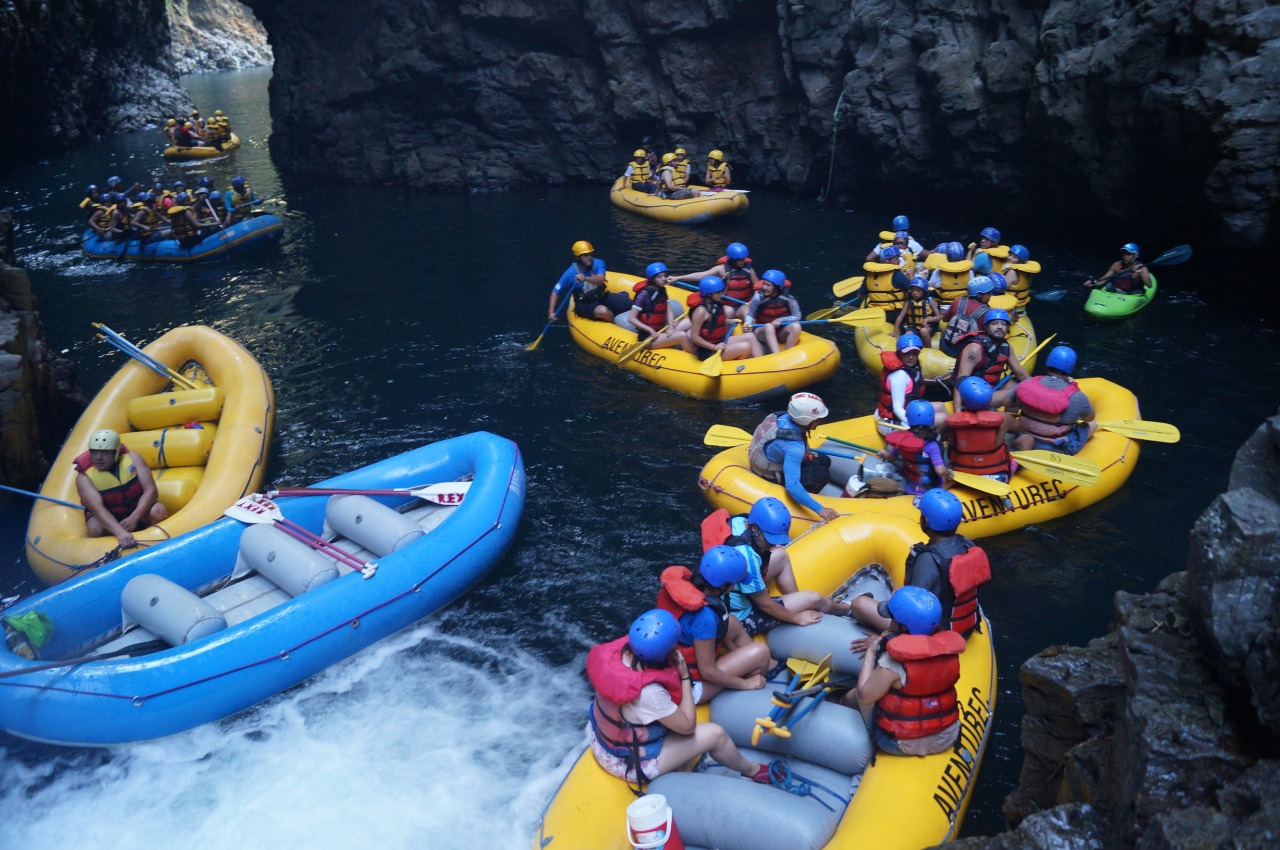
[(216, 35)]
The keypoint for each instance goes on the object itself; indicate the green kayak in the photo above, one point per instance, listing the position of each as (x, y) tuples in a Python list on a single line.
[(1109, 306)]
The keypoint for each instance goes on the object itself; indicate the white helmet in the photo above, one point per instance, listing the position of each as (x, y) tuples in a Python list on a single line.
[(105, 440), (806, 408)]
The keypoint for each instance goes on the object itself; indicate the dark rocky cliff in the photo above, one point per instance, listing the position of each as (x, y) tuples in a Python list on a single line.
[(1161, 105), (216, 35)]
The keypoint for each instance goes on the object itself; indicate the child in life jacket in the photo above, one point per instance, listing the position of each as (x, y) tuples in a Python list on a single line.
[(922, 464), (920, 313)]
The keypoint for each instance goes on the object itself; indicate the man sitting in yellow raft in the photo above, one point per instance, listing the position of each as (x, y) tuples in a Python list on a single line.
[(584, 280), (117, 490)]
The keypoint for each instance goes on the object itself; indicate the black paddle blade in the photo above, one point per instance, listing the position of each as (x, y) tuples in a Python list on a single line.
[(1173, 256)]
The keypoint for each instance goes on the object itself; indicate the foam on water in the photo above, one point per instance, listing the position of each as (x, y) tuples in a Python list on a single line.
[(426, 740)]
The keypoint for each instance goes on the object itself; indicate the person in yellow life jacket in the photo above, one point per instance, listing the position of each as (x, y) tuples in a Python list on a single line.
[(198, 123), (170, 132), (1053, 412), (989, 238), (639, 175), (238, 199), (117, 490), (682, 167), (739, 275), (977, 433), (642, 720), (919, 313), (719, 652), (148, 222), (667, 186), (186, 227), (907, 685), (208, 215), (652, 311), (718, 175), (220, 129), (120, 214), (711, 329)]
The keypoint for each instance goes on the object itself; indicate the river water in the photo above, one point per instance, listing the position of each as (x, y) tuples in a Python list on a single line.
[(388, 319)]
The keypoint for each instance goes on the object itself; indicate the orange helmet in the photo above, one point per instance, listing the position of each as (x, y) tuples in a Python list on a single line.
[(581, 247)]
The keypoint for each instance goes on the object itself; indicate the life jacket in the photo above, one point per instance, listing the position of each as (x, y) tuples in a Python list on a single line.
[(680, 597), (654, 315), (1126, 281), (916, 466), (995, 357), (718, 176), (682, 174), (182, 226), (615, 685), (666, 169), (777, 307), (926, 704), (965, 322), (766, 432), (978, 448), (1042, 407), (639, 173), (737, 281), (234, 199), (119, 486), (918, 311), (713, 329), (961, 575), (150, 216), (915, 385)]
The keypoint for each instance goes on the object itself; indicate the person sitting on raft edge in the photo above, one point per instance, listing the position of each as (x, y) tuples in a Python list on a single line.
[(117, 490)]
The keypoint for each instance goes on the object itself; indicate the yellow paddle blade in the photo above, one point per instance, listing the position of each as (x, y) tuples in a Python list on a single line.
[(823, 313), (848, 286), (640, 346), (713, 366), (820, 673), (976, 482), (533, 345), (1141, 429), (1033, 352), (1073, 470), (725, 436), (864, 317)]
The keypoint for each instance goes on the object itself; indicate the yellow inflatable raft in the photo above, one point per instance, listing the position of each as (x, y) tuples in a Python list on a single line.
[(199, 472), (901, 803), (184, 153), (812, 359), (703, 206), (728, 482)]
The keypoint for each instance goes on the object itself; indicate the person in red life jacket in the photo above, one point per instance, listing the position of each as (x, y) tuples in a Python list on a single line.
[(652, 311), (1054, 413), (719, 652), (907, 685), (779, 451), (739, 277), (761, 538), (642, 721), (978, 432), (919, 313), (584, 280), (117, 490), (711, 326), (773, 312), (987, 355), (902, 382), (963, 317), (1126, 275), (923, 467)]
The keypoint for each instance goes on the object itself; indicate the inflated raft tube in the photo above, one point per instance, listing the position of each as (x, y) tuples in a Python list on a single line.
[(259, 230)]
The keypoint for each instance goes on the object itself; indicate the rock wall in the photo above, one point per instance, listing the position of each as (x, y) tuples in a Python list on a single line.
[(1138, 108), (78, 70), (216, 35), (1166, 733)]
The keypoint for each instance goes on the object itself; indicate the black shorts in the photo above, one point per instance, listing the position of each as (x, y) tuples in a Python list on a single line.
[(758, 622)]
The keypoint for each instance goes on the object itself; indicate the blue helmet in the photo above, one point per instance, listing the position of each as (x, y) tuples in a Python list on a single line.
[(917, 610), (979, 285), (902, 234), (775, 277), (900, 222), (206, 181), (654, 269), (737, 251), (991, 234), (114, 181), (146, 197), (920, 412), (178, 184), (889, 252), (653, 635), (995, 315), (1021, 252), (92, 187), (723, 565), (237, 181), (909, 342), (999, 282), (954, 252), (1062, 358), (710, 285), (981, 263), (215, 196), (773, 519), (1130, 248), (975, 393), (940, 510), (920, 282)]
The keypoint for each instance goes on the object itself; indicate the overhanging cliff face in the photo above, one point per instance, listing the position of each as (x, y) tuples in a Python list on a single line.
[(1163, 103)]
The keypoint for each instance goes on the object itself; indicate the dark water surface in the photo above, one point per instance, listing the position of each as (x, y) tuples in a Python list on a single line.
[(388, 319)]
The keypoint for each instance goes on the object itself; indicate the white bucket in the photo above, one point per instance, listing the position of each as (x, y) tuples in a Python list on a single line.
[(649, 822)]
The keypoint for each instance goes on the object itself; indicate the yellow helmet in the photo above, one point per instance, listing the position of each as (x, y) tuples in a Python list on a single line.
[(217, 112), (716, 155), (667, 157), (104, 440), (189, 125), (195, 113), (681, 152), (581, 247), (171, 122), (639, 154)]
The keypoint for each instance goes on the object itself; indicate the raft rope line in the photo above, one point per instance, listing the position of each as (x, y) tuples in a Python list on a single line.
[(781, 776), (283, 655)]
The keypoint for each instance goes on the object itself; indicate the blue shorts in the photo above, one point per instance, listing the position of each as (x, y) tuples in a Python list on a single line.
[(1069, 443), (758, 622)]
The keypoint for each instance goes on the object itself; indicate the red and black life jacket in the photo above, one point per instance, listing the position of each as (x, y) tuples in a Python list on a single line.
[(654, 314), (926, 704), (737, 281), (1042, 407), (713, 329), (615, 685), (916, 466), (680, 597), (915, 389), (777, 307), (120, 489), (1126, 281), (978, 448), (961, 575), (994, 359)]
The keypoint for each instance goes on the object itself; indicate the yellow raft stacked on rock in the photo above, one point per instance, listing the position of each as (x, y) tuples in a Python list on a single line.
[(705, 205), (200, 470), (900, 803), (812, 359), (728, 482)]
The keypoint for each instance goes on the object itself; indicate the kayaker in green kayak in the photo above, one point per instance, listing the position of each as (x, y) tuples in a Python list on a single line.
[(1126, 275)]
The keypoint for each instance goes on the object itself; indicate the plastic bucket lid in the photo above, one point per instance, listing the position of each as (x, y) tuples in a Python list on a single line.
[(648, 822)]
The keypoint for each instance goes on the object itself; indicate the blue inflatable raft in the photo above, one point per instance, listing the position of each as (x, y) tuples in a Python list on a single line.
[(237, 237), (214, 621)]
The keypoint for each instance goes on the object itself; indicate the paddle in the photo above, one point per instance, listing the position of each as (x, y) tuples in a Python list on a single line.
[(848, 286), (136, 649), (828, 311), (1032, 353), (560, 308), (861, 318), (713, 366), (142, 357), (1172, 257), (633, 350), (256, 510), (38, 496), (1141, 429), (448, 493), (692, 288), (783, 701)]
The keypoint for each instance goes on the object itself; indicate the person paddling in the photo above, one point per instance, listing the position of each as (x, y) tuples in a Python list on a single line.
[(1126, 275)]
